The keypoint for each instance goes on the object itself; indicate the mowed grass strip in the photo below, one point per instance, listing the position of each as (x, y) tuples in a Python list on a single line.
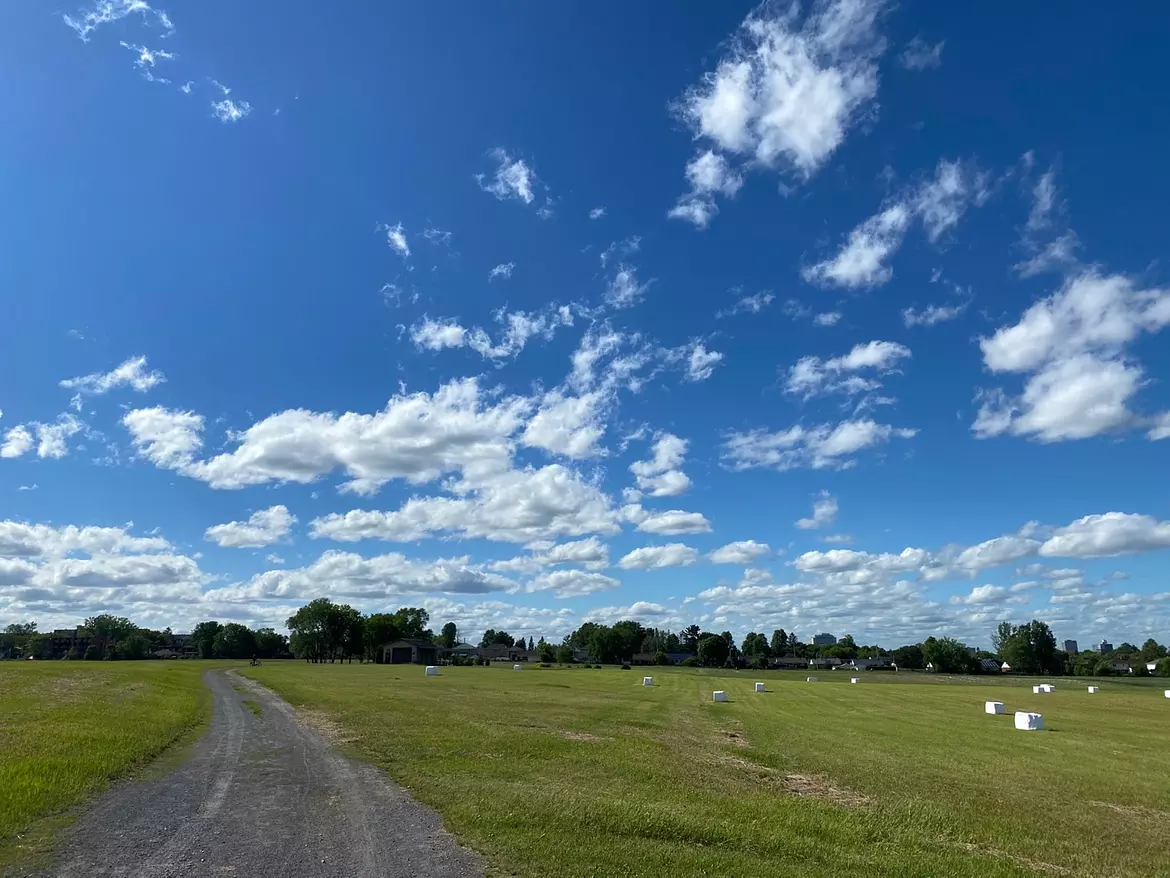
[(68, 728), (562, 772)]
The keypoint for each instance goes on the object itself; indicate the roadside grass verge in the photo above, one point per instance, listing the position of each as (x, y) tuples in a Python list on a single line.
[(68, 728), (558, 772)]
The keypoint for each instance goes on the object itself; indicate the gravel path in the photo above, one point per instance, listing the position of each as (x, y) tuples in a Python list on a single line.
[(261, 796)]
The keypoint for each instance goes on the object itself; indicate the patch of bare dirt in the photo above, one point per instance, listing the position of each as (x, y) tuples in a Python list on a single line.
[(68, 687), (1026, 862), (582, 736), (331, 730), (1138, 811), (734, 738), (807, 786)]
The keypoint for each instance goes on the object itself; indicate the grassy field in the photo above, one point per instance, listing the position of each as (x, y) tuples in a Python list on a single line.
[(67, 728), (578, 772)]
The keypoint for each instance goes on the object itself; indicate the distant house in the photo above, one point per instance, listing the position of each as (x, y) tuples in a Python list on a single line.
[(989, 666), (930, 666), (1151, 666), (465, 649), (410, 652), (823, 664), (1005, 668), (788, 663), (1120, 667), (675, 658), (882, 661)]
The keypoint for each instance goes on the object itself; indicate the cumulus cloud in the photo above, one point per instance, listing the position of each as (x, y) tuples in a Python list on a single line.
[(655, 557), (743, 552), (932, 314), (938, 203), (701, 363), (132, 373), (662, 475), (783, 96), (673, 522), (512, 179), (517, 329), (827, 318), (571, 426), (50, 440), (590, 553), (823, 515), (1108, 535), (262, 528), (826, 446), (811, 376), (396, 238), (228, 110), (624, 290), (572, 583), (597, 213), (18, 441), (1072, 349)]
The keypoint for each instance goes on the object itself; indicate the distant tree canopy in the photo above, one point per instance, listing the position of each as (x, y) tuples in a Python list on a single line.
[(492, 637), (948, 655), (324, 631), (1029, 648), (449, 635)]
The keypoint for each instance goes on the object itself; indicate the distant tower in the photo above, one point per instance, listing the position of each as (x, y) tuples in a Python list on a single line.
[(1070, 646), (1104, 646), (824, 640)]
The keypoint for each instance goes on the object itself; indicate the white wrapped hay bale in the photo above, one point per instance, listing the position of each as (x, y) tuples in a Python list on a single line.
[(855, 679), (1047, 687), (1036, 690), (1029, 722), (720, 695), (1093, 690), (647, 681), (760, 687), (995, 707), (432, 671), (1168, 693), (517, 667), (812, 679)]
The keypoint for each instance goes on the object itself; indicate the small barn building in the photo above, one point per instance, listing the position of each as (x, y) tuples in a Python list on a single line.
[(410, 652)]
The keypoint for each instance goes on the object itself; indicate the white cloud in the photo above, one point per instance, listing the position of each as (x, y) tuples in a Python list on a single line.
[(827, 318), (590, 553), (437, 236), (436, 335), (624, 291), (662, 475), (228, 110), (826, 446), (512, 178), (1160, 429), (262, 528), (132, 374), (921, 55), (519, 327), (709, 175), (1058, 255), (656, 557), (53, 439), (597, 213), (932, 314), (21, 540), (748, 305), (18, 441), (1071, 346), (1108, 535), (416, 437), (939, 203), (1044, 201), (786, 92), (673, 522), (348, 576), (273, 558), (571, 426), (572, 583), (743, 552), (824, 513), (811, 376), (107, 11), (504, 270), (645, 611), (148, 59), (701, 363), (396, 238), (516, 506), (982, 595)]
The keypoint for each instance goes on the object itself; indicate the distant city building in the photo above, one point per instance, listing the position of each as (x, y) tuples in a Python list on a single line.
[(824, 640), (1104, 646), (1070, 646)]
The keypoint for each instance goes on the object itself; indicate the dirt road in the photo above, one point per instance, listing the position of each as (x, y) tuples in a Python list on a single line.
[(261, 796)]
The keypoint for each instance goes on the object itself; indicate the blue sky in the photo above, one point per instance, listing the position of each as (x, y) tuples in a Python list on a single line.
[(847, 317)]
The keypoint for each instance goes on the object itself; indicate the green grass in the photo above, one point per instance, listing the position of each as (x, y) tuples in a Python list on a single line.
[(68, 728), (580, 772)]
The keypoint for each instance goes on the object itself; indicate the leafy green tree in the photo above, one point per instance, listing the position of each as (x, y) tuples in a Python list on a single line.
[(412, 622), (21, 629), (380, 629), (1152, 651), (1163, 669), (106, 629), (270, 644), (1029, 648), (548, 655), (449, 636), (492, 637), (531, 645), (713, 651), (606, 644), (947, 655), (234, 641), (628, 637), (311, 629), (909, 657), (134, 647), (564, 654), (779, 642), (661, 658), (203, 637), (689, 638)]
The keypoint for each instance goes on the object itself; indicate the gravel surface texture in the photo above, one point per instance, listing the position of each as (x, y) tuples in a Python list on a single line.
[(262, 796)]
